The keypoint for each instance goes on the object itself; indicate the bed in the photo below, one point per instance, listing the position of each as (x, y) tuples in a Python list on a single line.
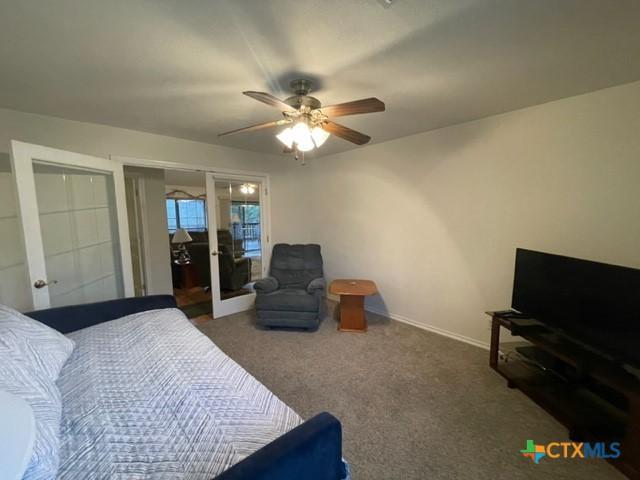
[(146, 395)]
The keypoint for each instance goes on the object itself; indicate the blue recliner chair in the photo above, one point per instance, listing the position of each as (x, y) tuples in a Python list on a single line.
[(293, 294)]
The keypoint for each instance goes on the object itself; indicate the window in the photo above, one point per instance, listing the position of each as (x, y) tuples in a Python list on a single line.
[(190, 214), (246, 225)]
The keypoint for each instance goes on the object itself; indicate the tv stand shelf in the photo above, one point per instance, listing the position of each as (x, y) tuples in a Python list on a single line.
[(598, 402)]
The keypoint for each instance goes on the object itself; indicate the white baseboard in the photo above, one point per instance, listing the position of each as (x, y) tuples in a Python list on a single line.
[(429, 328)]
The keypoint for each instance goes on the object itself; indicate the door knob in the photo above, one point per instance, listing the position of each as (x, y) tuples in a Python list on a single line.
[(42, 283), (214, 253)]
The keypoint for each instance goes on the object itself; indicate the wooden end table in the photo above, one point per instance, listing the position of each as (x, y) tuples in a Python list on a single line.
[(352, 293), (188, 275)]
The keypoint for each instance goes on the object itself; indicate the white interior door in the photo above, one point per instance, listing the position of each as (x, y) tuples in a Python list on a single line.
[(73, 216), (238, 239)]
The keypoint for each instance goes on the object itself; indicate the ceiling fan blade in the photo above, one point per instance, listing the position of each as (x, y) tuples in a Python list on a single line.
[(270, 100), (346, 133), (253, 128), (366, 105)]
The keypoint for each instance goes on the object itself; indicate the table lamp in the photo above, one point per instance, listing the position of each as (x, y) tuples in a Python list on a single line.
[(180, 237)]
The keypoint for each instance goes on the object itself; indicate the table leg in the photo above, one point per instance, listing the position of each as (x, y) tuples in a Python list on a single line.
[(352, 317), (495, 343)]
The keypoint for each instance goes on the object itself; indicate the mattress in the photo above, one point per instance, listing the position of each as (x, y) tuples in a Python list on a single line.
[(148, 396)]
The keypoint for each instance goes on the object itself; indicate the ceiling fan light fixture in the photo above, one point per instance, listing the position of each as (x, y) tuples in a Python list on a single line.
[(310, 122), (286, 137), (306, 146), (319, 135), (301, 133), (247, 189)]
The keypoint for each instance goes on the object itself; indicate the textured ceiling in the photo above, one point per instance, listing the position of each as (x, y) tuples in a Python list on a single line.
[(177, 68)]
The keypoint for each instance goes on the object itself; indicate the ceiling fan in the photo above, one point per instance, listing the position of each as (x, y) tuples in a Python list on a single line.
[(307, 121)]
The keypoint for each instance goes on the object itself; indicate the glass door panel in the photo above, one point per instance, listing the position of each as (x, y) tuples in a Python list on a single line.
[(238, 217), (74, 225), (78, 223)]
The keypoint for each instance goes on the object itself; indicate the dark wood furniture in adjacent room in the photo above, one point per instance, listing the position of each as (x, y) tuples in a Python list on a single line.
[(597, 399), (187, 275), (352, 293)]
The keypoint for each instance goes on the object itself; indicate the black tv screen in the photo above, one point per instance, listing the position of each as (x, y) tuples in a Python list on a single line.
[(594, 303)]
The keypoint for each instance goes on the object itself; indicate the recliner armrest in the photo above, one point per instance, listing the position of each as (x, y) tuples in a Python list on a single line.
[(266, 285), (241, 261), (316, 284)]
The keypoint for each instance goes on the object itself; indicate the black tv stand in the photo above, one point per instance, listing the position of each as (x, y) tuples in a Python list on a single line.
[(512, 314), (595, 398)]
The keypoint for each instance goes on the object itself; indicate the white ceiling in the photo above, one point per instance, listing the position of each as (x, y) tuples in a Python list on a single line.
[(177, 68)]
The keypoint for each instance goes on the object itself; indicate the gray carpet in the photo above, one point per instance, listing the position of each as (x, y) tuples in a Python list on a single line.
[(413, 404)]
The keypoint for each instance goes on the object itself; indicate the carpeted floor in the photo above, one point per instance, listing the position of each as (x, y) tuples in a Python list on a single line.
[(413, 404)]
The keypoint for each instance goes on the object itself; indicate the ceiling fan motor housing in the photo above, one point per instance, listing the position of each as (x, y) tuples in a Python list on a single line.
[(301, 87), (298, 101)]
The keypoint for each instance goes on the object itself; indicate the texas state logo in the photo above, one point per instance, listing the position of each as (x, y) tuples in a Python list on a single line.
[(533, 451), (573, 450)]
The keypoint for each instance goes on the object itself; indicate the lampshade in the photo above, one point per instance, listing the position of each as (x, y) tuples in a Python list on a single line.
[(301, 134), (286, 137), (319, 135), (305, 139), (306, 144), (181, 236)]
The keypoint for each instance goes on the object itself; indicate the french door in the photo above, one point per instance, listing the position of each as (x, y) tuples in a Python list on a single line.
[(237, 213), (74, 224)]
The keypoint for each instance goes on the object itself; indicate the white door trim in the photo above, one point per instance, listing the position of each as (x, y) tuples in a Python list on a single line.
[(144, 229), (27, 205), (22, 155), (198, 167)]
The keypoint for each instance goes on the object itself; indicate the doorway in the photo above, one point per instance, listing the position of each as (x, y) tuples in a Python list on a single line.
[(186, 204), (208, 238)]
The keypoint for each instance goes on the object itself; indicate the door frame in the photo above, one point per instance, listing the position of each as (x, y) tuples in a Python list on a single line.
[(140, 219), (22, 155), (223, 173)]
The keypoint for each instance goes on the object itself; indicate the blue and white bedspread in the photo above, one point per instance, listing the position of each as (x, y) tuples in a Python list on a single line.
[(148, 396)]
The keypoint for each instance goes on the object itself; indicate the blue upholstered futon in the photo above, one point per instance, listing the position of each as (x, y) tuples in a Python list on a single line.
[(146, 395)]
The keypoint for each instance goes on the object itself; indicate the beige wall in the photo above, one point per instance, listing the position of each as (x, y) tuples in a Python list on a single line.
[(435, 218)]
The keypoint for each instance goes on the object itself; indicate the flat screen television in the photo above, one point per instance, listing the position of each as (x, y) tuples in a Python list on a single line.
[(596, 304)]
